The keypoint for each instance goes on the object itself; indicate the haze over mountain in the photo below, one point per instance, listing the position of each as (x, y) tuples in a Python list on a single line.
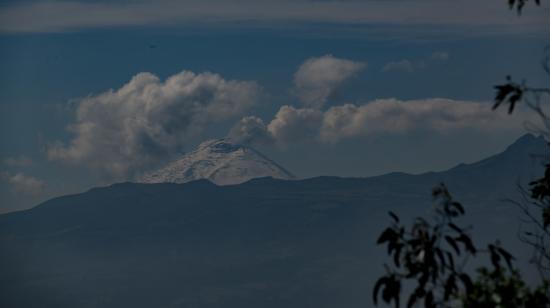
[(264, 243), (221, 161)]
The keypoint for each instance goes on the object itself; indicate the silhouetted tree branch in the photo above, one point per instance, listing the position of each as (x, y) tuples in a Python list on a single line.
[(431, 256), (519, 4), (535, 202)]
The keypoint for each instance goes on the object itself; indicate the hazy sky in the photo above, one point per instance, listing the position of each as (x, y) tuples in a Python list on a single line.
[(95, 92)]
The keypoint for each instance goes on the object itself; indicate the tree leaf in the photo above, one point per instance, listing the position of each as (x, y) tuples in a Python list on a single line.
[(429, 301), (507, 257), (455, 227), (412, 300), (397, 254), (495, 258), (453, 244), (450, 287), (546, 217), (388, 235), (450, 259), (467, 241), (391, 291), (382, 281), (441, 258), (459, 207), (395, 217), (467, 282)]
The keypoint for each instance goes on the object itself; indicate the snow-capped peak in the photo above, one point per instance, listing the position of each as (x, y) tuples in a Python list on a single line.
[(220, 161)]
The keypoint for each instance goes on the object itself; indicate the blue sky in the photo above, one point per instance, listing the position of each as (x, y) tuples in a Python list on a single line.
[(441, 55)]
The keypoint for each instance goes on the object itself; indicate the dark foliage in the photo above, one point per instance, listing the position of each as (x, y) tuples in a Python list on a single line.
[(431, 257), (519, 4), (535, 205), (540, 191), (498, 288), (510, 93)]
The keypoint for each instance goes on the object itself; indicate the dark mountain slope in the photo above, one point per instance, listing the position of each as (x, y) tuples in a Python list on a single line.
[(263, 243)]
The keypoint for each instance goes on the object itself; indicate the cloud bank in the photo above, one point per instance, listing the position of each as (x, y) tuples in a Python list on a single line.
[(402, 65), (19, 161), (440, 55), (121, 132), (409, 66), (377, 118), (317, 79), (57, 16), (22, 183)]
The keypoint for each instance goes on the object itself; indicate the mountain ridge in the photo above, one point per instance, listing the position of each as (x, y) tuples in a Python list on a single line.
[(533, 143), (527, 143)]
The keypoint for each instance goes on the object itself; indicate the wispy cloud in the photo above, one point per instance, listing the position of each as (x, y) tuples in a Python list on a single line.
[(23, 183), (409, 66), (402, 65), (19, 161), (440, 55), (317, 79), (59, 16)]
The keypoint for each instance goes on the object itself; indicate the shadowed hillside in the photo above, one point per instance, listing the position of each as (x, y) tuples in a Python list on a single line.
[(263, 243)]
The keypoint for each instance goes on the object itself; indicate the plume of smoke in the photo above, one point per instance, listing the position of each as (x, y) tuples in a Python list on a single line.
[(123, 131)]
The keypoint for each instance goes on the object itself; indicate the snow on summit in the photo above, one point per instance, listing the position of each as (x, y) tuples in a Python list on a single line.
[(220, 161)]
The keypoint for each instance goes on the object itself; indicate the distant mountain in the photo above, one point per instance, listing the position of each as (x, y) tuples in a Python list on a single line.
[(220, 161), (264, 243), (495, 176)]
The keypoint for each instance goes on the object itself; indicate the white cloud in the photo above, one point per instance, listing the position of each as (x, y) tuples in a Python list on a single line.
[(22, 183), (392, 116), (54, 16), (294, 124), (409, 66), (20, 161), (440, 55), (317, 79), (121, 132), (388, 117), (402, 65)]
